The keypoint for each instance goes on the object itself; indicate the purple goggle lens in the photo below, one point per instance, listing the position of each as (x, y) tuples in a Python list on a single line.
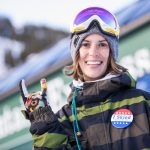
[(106, 16)]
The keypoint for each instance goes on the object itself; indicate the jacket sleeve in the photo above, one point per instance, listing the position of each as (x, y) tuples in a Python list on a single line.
[(47, 131)]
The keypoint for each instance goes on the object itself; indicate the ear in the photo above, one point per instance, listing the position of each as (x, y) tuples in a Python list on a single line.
[(23, 90)]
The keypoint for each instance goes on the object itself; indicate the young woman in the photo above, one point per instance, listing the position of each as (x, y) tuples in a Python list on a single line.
[(105, 111)]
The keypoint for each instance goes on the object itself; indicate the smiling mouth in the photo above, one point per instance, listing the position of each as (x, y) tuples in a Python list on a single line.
[(93, 62)]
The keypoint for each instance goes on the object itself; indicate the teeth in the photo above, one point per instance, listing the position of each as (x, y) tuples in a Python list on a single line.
[(93, 62)]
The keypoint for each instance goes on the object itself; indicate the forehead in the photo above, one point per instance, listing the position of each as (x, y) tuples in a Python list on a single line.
[(94, 37)]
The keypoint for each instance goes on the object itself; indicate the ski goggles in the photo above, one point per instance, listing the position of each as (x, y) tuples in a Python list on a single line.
[(106, 21)]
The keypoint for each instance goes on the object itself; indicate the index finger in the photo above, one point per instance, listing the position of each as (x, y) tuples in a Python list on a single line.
[(23, 90)]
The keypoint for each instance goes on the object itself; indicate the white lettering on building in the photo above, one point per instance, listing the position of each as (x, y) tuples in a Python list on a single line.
[(137, 64), (58, 92), (11, 121)]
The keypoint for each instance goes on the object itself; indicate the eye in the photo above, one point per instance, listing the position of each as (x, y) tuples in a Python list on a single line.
[(85, 44), (103, 45)]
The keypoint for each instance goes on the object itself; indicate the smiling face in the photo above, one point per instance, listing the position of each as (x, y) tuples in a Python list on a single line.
[(93, 57)]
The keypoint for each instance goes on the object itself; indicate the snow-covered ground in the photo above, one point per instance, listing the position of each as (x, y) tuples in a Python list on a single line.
[(6, 45), (34, 65)]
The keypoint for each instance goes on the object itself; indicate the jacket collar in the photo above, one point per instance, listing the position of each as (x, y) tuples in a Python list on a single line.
[(79, 84), (100, 90)]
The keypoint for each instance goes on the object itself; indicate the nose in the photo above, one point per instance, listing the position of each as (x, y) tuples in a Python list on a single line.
[(93, 51)]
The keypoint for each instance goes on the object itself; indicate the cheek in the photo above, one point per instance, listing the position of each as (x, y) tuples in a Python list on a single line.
[(105, 54), (81, 62), (82, 54)]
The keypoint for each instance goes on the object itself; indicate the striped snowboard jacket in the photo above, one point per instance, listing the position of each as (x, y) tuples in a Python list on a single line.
[(102, 127)]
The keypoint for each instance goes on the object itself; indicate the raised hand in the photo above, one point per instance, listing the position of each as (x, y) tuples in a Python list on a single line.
[(34, 100)]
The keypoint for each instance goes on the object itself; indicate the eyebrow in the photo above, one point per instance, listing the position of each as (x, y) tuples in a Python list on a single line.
[(98, 41)]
